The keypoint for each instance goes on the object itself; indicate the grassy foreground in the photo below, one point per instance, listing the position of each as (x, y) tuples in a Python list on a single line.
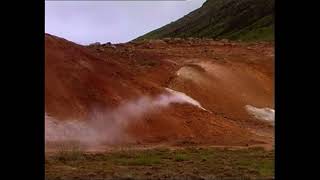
[(188, 163)]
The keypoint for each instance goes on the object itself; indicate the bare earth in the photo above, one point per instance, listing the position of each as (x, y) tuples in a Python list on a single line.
[(223, 77)]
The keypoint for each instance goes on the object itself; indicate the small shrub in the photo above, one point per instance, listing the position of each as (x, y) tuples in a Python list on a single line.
[(74, 154), (139, 160), (181, 157)]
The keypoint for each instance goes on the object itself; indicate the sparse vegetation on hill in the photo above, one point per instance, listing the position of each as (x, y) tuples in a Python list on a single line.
[(247, 20)]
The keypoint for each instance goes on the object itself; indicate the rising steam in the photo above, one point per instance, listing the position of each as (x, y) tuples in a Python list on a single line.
[(109, 126), (265, 114)]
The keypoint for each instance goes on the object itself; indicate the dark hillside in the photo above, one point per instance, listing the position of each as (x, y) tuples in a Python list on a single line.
[(230, 19)]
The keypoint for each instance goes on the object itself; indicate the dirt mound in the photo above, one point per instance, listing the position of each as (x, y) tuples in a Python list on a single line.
[(225, 88), (223, 79), (76, 79)]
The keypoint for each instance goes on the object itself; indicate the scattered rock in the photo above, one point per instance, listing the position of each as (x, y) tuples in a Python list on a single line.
[(167, 40), (95, 44), (225, 40), (157, 41), (148, 173)]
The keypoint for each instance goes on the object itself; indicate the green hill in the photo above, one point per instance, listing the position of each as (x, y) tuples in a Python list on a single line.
[(247, 20)]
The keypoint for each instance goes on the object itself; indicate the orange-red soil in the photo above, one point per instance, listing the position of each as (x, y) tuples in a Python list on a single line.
[(222, 76)]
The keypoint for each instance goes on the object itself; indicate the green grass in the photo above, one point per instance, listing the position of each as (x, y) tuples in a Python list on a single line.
[(162, 163), (138, 160)]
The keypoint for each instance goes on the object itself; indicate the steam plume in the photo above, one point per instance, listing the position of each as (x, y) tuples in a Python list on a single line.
[(109, 126), (265, 114)]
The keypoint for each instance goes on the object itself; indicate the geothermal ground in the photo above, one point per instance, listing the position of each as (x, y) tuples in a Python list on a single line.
[(169, 94)]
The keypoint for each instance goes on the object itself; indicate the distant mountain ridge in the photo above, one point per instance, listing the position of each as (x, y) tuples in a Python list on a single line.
[(248, 20)]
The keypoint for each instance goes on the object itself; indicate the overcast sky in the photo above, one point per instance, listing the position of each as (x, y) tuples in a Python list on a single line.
[(85, 22)]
